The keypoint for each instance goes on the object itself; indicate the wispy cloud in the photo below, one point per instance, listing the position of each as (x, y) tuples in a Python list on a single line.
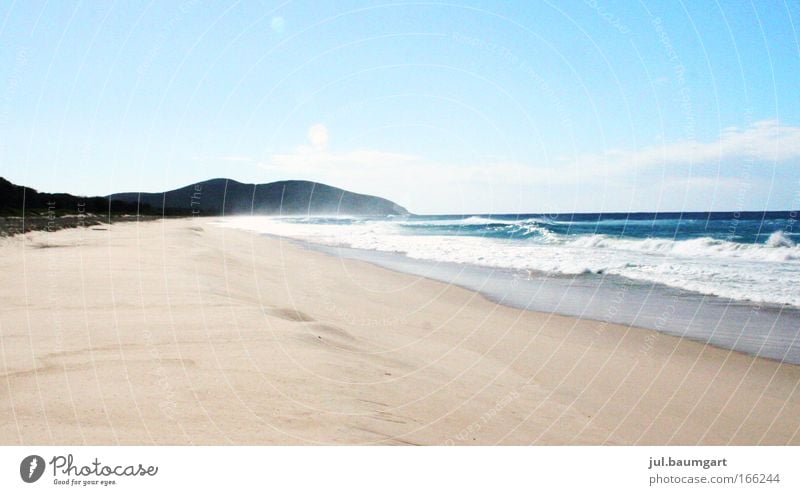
[(765, 141), (225, 158), (309, 160), (413, 178)]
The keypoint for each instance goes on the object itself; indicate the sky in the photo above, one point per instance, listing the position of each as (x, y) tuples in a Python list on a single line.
[(453, 107)]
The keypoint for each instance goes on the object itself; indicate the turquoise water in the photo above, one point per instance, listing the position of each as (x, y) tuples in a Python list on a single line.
[(738, 256)]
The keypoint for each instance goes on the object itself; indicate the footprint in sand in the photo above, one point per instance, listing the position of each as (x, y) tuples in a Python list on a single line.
[(290, 314)]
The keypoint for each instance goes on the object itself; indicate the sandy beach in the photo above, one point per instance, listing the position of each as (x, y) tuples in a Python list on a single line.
[(183, 332)]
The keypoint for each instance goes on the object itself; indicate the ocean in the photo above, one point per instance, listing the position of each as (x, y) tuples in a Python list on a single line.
[(729, 279)]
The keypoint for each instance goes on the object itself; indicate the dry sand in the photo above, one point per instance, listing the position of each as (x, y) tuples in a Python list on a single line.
[(183, 332)]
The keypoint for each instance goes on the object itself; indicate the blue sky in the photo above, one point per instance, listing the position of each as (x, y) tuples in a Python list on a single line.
[(457, 107)]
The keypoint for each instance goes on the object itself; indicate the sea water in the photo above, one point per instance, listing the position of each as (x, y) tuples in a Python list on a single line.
[(730, 279)]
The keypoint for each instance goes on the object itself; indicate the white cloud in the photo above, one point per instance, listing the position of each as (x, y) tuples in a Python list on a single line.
[(315, 160), (423, 184), (318, 136), (764, 141), (224, 158)]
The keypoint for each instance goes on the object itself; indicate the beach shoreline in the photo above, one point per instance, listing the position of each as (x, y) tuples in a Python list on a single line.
[(179, 331), (662, 300)]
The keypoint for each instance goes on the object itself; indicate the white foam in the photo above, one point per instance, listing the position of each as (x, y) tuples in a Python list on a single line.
[(780, 239), (473, 220), (780, 248), (753, 272)]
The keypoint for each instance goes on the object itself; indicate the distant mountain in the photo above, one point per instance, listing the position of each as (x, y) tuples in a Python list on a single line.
[(292, 197), (211, 197), (14, 200)]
